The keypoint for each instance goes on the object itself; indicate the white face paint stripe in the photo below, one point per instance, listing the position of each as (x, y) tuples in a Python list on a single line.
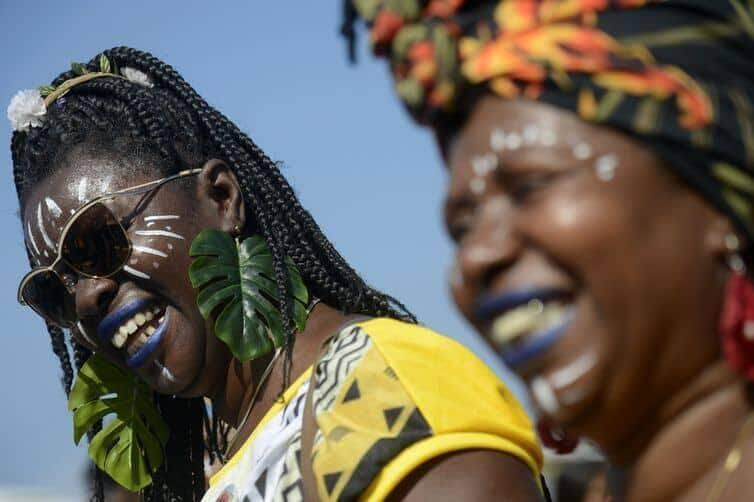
[(569, 374), (147, 250), (53, 208), (544, 396), (150, 224), (31, 238), (165, 372), (162, 217), (137, 273), (158, 233), (40, 224), (81, 191)]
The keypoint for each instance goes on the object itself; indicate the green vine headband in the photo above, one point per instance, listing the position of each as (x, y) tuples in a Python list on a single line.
[(28, 107)]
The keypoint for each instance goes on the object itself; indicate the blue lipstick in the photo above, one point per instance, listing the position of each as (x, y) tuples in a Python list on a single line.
[(536, 343), (493, 306), (152, 343), (110, 324)]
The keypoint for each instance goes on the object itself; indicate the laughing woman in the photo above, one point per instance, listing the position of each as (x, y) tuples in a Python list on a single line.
[(601, 197), (174, 253)]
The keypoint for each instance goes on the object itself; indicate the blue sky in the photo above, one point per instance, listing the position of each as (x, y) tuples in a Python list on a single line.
[(371, 178)]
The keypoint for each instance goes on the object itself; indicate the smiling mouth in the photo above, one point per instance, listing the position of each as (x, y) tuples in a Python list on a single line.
[(524, 324), (135, 330)]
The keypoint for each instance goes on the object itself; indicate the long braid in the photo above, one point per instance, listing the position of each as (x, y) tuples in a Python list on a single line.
[(172, 123)]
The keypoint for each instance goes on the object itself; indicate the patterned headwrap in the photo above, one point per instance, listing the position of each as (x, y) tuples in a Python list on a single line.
[(677, 74)]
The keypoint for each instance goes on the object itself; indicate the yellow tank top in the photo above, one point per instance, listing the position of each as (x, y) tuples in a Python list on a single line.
[(387, 397)]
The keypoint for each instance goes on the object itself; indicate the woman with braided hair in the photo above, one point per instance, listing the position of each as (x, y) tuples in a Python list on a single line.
[(179, 260), (601, 198)]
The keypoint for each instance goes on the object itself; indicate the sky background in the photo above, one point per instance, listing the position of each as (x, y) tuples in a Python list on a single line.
[(370, 177)]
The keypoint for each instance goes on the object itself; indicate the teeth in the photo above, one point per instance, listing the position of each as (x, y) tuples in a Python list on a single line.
[(534, 316), (131, 327), (119, 339)]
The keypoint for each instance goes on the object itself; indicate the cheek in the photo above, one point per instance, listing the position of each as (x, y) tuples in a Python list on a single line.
[(160, 251)]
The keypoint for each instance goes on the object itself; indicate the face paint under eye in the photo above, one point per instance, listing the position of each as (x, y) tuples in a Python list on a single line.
[(582, 151), (53, 208), (605, 167)]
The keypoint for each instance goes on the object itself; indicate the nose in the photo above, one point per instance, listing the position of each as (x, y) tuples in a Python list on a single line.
[(491, 246), (93, 296)]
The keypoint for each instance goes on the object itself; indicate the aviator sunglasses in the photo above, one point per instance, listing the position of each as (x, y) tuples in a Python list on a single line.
[(93, 244)]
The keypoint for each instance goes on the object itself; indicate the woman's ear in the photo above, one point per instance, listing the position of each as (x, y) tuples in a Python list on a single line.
[(218, 187)]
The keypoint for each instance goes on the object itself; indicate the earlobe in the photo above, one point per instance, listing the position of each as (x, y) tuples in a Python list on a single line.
[(219, 185), (720, 235)]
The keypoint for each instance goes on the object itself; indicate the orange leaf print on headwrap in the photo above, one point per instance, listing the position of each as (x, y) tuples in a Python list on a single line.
[(442, 8), (662, 83), (386, 25)]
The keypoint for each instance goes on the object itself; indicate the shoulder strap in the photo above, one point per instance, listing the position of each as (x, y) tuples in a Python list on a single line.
[(309, 425), (308, 429)]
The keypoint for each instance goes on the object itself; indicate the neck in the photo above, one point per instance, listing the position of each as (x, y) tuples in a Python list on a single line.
[(708, 411), (244, 379)]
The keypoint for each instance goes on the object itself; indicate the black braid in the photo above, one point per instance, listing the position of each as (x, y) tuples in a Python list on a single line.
[(171, 124)]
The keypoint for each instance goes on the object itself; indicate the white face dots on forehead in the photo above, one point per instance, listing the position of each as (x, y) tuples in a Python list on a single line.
[(535, 136)]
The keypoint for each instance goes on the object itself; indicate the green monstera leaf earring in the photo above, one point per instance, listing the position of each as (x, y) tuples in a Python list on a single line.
[(236, 288), (130, 446)]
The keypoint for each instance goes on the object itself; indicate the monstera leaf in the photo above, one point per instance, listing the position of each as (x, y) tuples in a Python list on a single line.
[(130, 446), (237, 288)]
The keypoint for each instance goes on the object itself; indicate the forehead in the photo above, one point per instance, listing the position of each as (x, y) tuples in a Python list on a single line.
[(81, 179), (51, 202), (524, 133)]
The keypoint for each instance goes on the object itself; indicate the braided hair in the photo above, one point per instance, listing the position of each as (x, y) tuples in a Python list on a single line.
[(169, 122)]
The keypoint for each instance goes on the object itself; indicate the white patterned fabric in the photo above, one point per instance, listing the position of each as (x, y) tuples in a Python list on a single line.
[(269, 469)]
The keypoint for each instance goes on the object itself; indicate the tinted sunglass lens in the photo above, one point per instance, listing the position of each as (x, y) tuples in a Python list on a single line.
[(45, 293), (96, 244)]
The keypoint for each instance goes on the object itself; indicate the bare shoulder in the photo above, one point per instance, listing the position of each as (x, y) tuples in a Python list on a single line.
[(480, 475)]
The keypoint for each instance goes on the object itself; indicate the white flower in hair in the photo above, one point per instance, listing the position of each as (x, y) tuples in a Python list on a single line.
[(26, 109), (136, 76)]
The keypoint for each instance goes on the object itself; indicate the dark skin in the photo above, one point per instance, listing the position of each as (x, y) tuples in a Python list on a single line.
[(642, 258), (197, 363)]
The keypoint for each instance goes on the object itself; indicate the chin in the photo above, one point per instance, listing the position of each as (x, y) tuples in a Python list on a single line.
[(175, 362), (555, 344)]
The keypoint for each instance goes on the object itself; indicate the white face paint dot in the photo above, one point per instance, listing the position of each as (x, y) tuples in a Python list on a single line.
[(168, 227), (73, 211), (170, 246), (477, 186), (133, 261), (483, 164), (155, 264), (531, 134), (582, 151), (150, 224), (513, 141), (549, 138), (47, 255), (497, 139), (606, 166)]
